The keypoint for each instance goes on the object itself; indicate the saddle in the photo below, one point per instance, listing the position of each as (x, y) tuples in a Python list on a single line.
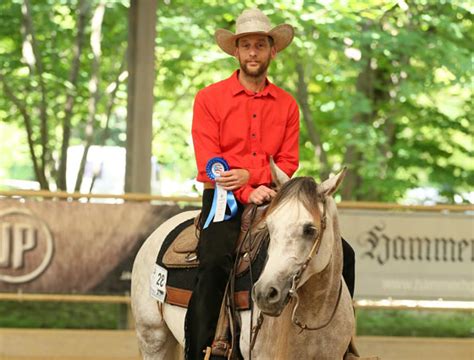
[(179, 256)]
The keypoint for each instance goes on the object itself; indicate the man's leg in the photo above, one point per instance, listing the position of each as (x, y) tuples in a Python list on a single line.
[(348, 267), (216, 256)]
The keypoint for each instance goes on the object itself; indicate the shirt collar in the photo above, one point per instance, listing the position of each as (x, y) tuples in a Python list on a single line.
[(237, 87)]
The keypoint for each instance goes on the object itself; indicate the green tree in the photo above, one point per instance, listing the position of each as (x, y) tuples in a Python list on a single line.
[(58, 85), (383, 86)]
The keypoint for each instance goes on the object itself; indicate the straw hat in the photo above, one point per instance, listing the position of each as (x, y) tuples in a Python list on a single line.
[(253, 21)]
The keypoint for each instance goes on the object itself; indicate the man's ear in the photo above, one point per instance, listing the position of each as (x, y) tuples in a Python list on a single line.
[(278, 176), (273, 53)]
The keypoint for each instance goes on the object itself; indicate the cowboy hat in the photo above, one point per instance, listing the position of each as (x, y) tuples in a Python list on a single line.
[(253, 21)]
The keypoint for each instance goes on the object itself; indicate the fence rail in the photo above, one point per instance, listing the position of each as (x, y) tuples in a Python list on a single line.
[(125, 299), (109, 299), (191, 199), (76, 196)]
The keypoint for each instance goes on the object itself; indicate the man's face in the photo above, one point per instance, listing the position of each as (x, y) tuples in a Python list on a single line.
[(254, 53)]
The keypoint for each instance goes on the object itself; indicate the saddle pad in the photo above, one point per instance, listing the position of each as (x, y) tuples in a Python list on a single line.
[(182, 251), (180, 280)]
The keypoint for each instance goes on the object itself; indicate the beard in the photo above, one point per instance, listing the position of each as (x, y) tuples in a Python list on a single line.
[(255, 72)]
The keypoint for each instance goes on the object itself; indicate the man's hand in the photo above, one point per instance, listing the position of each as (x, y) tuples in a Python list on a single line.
[(261, 195), (233, 179)]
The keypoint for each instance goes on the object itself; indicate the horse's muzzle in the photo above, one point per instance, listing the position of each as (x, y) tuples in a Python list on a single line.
[(271, 298)]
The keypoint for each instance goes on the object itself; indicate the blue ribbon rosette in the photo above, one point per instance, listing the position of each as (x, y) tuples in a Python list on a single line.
[(222, 198)]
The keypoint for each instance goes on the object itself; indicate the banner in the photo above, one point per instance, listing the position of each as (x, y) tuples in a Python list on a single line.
[(73, 247), (411, 255), (55, 246)]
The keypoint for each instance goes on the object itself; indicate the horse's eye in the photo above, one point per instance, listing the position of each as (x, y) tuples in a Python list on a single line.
[(309, 231)]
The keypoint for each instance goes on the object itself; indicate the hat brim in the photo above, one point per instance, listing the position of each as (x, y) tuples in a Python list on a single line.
[(282, 36)]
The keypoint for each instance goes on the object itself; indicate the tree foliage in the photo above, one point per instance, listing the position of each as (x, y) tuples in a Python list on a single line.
[(383, 86), (59, 80)]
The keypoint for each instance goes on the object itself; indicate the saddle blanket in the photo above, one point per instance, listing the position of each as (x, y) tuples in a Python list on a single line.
[(174, 285)]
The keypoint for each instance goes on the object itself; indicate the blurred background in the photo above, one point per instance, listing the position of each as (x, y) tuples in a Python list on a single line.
[(96, 97), (384, 87)]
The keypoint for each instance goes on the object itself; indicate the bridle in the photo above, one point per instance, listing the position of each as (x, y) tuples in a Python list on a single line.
[(296, 278), (314, 250)]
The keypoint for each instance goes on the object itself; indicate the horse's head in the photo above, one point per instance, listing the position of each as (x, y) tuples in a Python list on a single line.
[(299, 220)]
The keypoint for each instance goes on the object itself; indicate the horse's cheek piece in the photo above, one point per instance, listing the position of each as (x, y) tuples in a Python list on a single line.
[(296, 278)]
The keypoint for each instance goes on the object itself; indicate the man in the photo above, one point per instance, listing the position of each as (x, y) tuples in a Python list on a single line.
[(244, 119)]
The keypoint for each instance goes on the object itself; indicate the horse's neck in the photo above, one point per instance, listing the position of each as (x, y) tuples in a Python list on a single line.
[(318, 297)]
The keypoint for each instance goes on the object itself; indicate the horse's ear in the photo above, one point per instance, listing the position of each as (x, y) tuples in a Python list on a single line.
[(329, 186), (278, 175)]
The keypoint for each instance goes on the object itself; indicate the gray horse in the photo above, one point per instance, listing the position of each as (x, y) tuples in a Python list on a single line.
[(301, 296)]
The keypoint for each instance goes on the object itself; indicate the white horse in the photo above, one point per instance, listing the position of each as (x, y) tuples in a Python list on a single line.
[(304, 303)]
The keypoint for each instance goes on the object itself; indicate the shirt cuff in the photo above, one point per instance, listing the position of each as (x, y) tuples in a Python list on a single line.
[(242, 194)]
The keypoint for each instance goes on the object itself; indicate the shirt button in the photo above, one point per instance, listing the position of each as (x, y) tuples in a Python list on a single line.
[(253, 135), (254, 116), (254, 154)]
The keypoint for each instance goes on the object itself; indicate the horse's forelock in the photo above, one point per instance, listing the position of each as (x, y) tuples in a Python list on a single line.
[(304, 189)]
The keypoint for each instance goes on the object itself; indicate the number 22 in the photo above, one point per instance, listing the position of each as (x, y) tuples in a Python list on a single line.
[(160, 280)]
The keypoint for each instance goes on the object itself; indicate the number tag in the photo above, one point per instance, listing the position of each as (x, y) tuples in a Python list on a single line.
[(158, 283)]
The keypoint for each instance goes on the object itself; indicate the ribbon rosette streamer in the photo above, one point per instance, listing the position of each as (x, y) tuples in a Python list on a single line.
[(222, 198)]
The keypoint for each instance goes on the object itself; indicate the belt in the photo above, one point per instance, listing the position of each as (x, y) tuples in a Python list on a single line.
[(209, 185)]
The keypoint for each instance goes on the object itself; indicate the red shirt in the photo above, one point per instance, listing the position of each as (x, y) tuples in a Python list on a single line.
[(245, 128)]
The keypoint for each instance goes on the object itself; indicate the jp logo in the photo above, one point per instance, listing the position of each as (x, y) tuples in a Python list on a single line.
[(26, 246)]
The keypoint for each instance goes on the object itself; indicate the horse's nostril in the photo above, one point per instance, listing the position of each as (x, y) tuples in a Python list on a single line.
[(273, 295)]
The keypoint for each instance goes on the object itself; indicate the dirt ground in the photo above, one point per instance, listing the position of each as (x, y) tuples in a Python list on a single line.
[(38, 344)]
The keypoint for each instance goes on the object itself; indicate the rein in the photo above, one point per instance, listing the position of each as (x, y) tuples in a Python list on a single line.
[(306, 327)]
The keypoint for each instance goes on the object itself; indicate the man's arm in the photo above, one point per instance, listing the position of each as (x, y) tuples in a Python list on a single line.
[(233, 179), (249, 194), (205, 133), (261, 195), (238, 178)]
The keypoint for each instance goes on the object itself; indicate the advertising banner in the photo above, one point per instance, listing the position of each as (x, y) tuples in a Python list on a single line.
[(73, 247), (55, 246), (411, 255)]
